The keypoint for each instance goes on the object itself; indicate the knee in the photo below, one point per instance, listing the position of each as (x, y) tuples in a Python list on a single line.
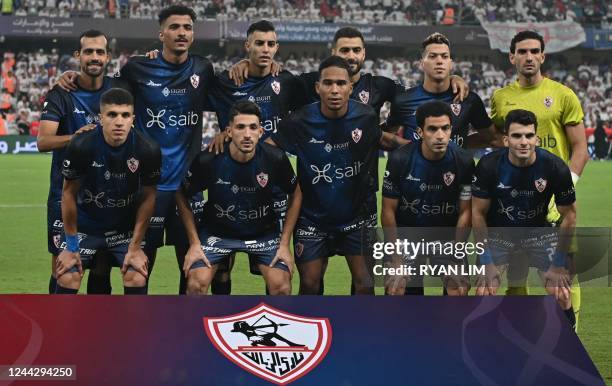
[(70, 280), (280, 288), (134, 279), (197, 284)]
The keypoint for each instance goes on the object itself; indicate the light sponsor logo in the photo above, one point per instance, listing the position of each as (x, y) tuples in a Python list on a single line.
[(327, 174), (159, 119)]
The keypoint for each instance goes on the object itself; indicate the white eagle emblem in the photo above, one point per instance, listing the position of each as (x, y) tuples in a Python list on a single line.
[(132, 164), (456, 108), (540, 184), (195, 80), (276, 87), (449, 178), (356, 134), (262, 179), (364, 96)]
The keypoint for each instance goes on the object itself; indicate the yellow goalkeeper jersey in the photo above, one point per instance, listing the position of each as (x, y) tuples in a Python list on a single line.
[(554, 104)]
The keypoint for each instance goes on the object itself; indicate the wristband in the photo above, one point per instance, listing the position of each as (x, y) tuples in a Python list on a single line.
[(485, 258), (72, 243), (575, 178), (559, 259)]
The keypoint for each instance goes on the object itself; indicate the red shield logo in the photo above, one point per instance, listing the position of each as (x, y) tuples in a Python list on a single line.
[(271, 344), (364, 96), (299, 249), (540, 184), (132, 164), (262, 179), (195, 80), (456, 108), (57, 240), (356, 134), (276, 87), (449, 178)]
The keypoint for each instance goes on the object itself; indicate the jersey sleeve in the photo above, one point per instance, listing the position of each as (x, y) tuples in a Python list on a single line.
[(572, 110), (479, 119), (563, 188), (483, 181), (76, 159), (287, 180), (496, 117), (286, 135), (151, 168), (392, 178), (53, 108), (197, 176)]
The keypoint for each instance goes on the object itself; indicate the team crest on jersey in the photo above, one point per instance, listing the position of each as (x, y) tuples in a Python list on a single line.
[(262, 179), (456, 108), (356, 134), (540, 184), (548, 101), (276, 87), (132, 164), (364, 96), (270, 343), (57, 240), (195, 80), (449, 178)]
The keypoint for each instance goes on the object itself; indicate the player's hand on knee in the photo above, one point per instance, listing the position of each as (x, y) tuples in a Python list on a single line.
[(239, 72), (395, 285), (217, 144), (66, 260), (136, 259), (67, 81), (194, 253), (557, 282), (152, 54), (86, 128), (488, 283), (284, 254)]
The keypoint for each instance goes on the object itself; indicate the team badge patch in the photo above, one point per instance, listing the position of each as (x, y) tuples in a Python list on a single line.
[(356, 134), (548, 101), (269, 343), (299, 249), (132, 164), (57, 240), (364, 96), (276, 87), (456, 108), (540, 184), (262, 179), (195, 80), (449, 178)]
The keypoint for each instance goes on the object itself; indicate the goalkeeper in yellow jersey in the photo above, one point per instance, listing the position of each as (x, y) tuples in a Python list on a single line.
[(560, 127)]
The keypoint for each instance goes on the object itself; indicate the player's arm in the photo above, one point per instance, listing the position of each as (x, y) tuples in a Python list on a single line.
[(293, 211), (47, 139), (238, 72), (580, 154), (460, 88), (488, 284), (487, 137), (69, 257), (391, 141)]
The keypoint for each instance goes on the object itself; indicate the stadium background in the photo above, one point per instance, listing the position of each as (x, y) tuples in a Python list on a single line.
[(37, 38)]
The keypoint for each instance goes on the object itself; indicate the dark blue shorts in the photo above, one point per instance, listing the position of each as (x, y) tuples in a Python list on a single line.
[(535, 247), (261, 250), (114, 243), (55, 226), (165, 216), (310, 242)]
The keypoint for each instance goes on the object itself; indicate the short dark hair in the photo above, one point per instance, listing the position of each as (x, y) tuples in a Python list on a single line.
[(434, 38), (525, 35), (244, 107), (348, 32), (523, 117), (175, 10), (432, 109), (261, 26), (92, 33), (117, 96), (334, 61)]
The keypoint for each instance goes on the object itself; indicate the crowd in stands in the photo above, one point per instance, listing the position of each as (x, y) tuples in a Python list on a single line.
[(405, 12), (26, 77)]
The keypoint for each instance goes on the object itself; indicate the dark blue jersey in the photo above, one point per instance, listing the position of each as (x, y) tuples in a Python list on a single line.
[(276, 96), (429, 192), (72, 110), (110, 178), (520, 195), (469, 112), (169, 100), (337, 161), (370, 89), (240, 201)]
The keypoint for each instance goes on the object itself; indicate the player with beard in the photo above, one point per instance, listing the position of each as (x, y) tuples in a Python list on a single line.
[(170, 94), (64, 115)]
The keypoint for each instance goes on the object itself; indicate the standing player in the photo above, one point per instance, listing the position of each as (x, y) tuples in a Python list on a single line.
[(239, 216), (109, 191), (428, 184), (170, 94), (559, 113), (64, 115), (512, 188), (336, 142), (436, 63)]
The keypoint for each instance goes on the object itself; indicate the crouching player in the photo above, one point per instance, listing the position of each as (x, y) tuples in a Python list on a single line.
[(512, 188), (239, 214), (110, 178)]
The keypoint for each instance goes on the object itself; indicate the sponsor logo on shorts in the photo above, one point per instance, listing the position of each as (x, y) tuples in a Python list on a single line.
[(212, 240)]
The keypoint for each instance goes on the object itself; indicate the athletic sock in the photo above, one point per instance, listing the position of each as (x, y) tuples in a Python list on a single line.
[(322, 288), (59, 290), (52, 284), (135, 290), (99, 284), (221, 287)]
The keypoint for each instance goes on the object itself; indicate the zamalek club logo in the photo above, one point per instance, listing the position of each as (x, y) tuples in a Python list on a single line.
[(276, 87), (364, 96), (269, 343)]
